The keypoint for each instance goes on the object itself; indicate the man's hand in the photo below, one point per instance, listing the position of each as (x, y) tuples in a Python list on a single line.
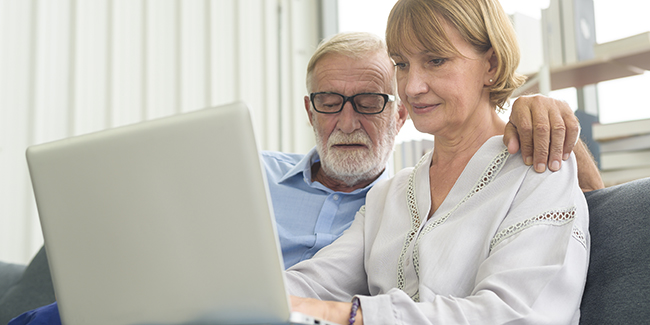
[(545, 129)]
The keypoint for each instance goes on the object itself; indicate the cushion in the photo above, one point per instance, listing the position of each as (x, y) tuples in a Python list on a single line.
[(9, 275), (618, 281), (34, 289)]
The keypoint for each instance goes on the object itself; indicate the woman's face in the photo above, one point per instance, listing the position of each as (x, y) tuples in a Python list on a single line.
[(445, 95)]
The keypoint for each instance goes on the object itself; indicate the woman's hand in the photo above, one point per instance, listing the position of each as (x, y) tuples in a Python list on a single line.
[(338, 312)]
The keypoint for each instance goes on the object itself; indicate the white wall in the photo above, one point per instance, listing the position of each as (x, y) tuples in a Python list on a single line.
[(69, 67)]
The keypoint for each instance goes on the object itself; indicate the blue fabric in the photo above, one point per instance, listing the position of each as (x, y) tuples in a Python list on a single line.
[(309, 215), (46, 315)]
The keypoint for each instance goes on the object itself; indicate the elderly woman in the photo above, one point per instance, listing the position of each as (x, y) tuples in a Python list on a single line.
[(471, 234)]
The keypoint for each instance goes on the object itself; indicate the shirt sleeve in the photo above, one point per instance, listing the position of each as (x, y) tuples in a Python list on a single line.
[(337, 271)]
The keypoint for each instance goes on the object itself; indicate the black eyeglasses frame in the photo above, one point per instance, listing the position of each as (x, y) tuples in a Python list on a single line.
[(387, 98)]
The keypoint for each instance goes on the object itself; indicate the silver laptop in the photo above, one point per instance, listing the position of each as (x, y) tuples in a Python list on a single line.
[(162, 222)]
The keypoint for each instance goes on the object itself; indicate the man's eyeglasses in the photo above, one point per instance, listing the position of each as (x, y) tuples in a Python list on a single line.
[(363, 103)]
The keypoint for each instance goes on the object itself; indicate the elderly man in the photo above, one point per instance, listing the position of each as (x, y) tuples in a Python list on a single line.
[(355, 115)]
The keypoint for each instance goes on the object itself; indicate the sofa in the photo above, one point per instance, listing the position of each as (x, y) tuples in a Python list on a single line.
[(618, 281), (23, 288)]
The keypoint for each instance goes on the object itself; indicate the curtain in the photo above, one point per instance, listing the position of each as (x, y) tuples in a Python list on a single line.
[(70, 67)]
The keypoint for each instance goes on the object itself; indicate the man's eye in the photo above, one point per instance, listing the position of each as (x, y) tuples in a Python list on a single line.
[(400, 65)]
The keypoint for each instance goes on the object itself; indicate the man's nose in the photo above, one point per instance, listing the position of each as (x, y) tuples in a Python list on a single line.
[(348, 119)]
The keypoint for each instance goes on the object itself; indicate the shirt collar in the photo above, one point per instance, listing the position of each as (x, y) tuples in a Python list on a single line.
[(304, 167)]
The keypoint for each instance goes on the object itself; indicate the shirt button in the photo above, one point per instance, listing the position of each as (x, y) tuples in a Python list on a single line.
[(335, 197)]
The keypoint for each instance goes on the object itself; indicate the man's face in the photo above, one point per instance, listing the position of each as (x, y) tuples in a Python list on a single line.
[(354, 147)]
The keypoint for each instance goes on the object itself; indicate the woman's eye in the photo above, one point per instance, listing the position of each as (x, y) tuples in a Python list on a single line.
[(438, 62), (400, 65)]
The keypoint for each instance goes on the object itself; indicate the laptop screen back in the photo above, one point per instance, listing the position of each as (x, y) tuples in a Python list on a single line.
[(162, 222)]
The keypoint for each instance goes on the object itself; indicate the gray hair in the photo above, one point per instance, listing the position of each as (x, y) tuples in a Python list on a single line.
[(351, 44)]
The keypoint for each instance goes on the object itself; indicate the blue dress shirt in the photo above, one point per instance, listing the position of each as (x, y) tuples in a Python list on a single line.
[(309, 216)]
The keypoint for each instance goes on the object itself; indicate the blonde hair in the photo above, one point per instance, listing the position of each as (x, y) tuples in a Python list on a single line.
[(356, 45), (481, 23)]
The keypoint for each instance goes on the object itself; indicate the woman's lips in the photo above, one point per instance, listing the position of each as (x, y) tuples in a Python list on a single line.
[(423, 108)]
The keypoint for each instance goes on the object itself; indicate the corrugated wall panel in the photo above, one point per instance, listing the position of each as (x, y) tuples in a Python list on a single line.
[(194, 54), (128, 62), (69, 67), (91, 63), (162, 58), (17, 106)]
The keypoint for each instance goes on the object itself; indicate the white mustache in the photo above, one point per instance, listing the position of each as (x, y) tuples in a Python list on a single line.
[(357, 137)]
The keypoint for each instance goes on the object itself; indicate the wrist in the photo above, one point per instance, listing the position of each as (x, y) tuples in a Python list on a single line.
[(355, 312)]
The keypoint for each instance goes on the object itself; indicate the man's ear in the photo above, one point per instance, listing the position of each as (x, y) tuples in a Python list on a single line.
[(402, 115), (308, 108)]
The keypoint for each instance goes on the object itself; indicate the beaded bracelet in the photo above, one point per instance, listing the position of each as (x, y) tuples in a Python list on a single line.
[(353, 311)]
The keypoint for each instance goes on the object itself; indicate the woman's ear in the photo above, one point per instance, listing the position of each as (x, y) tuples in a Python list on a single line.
[(492, 65)]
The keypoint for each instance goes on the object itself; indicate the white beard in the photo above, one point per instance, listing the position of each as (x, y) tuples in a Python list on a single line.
[(355, 166)]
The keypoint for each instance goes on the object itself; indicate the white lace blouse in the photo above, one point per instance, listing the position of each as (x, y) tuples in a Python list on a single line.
[(507, 245)]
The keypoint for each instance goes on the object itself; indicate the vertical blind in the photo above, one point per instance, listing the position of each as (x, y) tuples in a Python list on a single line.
[(69, 67)]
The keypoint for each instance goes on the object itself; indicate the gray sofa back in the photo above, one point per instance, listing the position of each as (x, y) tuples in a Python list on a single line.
[(31, 289), (618, 280)]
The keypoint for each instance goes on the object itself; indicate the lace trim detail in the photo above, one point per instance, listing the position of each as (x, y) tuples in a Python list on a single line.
[(486, 178), (488, 175), (411, 202), (580, 236), (554, 218)]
